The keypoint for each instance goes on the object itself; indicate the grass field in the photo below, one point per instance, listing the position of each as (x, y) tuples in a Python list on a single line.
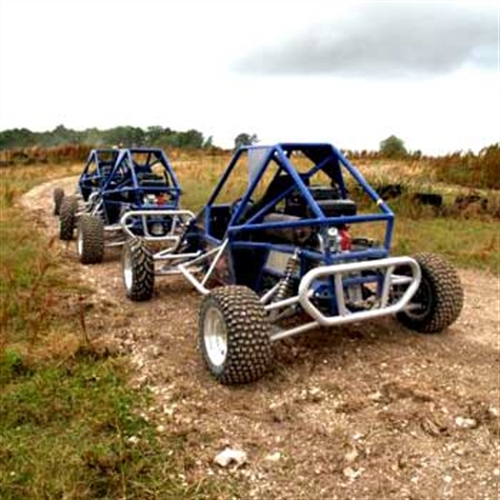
[(468, 240), (70, 427)]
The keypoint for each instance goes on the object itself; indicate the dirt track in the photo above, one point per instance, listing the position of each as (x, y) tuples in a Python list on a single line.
[(370, 411)]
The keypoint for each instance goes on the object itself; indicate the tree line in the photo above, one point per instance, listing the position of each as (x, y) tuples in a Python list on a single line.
[(155, 136)]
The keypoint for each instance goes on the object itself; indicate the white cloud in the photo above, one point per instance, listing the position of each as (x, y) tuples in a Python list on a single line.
[(107, 63), (386, 39)]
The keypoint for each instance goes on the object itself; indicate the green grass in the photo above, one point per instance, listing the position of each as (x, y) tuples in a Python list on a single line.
[(468, 243), (471, 242), (66, 411), (73, 432), (32, 283)]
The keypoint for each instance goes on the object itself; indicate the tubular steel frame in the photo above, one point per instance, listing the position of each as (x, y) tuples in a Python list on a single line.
[(112, 173), (334, 270)]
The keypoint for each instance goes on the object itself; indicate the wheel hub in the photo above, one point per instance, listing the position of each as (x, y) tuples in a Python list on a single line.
[(421, 302), (215, 336)]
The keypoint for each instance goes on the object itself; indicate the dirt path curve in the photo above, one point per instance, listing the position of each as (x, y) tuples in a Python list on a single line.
[(371, 411)]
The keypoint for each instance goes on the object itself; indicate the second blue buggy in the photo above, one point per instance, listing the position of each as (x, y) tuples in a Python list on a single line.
[(114, 183)]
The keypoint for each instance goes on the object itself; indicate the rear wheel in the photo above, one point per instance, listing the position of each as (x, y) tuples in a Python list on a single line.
[(234, 335), (67, 217), (90, 239), (58, 196), (439, 298), (138, 270)]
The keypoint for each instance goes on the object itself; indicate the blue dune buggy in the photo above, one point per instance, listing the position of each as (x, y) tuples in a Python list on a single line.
[(287, 245), (113, 183), (96, 170)]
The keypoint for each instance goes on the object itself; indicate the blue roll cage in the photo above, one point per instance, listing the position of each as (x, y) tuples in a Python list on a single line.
[(119, 176), (331, 161), (92, 178)]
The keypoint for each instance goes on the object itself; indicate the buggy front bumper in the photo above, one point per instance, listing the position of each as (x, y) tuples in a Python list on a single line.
[(179, 220), (384, 303)]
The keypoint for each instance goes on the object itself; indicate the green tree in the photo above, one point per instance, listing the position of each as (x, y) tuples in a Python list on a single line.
[(17, 138), (209, 142), (191, 139), (393, 147), (126, 135), (93, 136), (63, 135), (244, 139), (154, 135)]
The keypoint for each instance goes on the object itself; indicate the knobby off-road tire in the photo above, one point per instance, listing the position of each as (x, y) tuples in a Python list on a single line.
[(234, 335), (440, 296), (90, 239), (138, 270), (58, 197), (67, 217)]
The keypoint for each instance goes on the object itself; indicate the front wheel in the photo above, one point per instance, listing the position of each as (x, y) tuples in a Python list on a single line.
[(58, 196), (67, 217), (439, 299), (90, 239), (234, 335), (138, 270)]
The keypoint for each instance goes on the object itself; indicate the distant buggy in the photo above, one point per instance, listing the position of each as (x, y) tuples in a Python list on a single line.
[(113, 183), (286, 245)]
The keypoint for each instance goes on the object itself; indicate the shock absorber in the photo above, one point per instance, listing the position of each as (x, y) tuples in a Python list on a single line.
[(286, 286)]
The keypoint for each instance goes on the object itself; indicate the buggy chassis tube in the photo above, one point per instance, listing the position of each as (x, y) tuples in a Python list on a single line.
[(345, 316), (200, 285), (175, 214), (190, 265)]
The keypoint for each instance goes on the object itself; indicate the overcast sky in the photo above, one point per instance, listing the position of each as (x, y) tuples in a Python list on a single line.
[(350, 73)]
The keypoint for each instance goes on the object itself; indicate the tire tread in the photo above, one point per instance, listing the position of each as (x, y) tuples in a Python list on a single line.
[(92, 230), (249, 345), (448, 295), (58, 197), (143, 270), (67, 217)]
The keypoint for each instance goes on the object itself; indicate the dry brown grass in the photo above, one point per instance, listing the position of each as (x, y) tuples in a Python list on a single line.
[(468, 169), (61, 387)]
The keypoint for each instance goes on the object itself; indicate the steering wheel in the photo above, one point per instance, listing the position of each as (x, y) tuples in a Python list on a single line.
[(235, 205)]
